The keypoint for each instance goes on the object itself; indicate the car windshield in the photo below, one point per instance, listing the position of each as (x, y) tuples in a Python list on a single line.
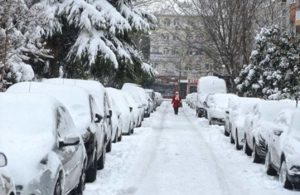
[(26, 118)]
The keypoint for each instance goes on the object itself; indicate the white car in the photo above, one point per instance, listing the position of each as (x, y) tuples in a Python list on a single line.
[(139, 96), (208, 85), (134, 108), (46, 154), (283, 154), (216, 106), (81, 106), (191, 100), (236, 117), (7, 186), (97, 91), (158, 98), (122, 107), (258, 124)]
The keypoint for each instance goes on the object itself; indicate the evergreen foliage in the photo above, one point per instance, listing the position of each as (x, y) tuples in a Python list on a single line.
[(273, 72)]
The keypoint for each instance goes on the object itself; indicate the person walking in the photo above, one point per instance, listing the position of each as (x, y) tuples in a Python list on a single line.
[(176, 101)]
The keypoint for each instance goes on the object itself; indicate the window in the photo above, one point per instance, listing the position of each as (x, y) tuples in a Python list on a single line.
[(166, 51), (63, 125), (176, 22), (167, 22)]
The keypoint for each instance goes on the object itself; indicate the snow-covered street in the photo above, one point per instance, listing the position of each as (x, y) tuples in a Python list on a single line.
[(180, 154)]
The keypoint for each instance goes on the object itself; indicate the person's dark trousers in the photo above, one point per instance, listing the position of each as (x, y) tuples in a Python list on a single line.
[(176, 110)]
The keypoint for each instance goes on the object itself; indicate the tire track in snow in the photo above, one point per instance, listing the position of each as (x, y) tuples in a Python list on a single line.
[(137, 175), (222, 181)]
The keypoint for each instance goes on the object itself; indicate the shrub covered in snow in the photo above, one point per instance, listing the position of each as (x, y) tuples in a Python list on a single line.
[(273, 71)]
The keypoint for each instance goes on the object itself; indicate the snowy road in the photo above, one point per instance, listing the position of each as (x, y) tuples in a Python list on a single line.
[(180, 155)]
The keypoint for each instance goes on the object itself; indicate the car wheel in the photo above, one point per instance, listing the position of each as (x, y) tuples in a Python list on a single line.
[(132, 131), (283, 176), (101, 161), (116, 136), (109, 146), (81, 185), (226, 132), (58, 186), (91, 173), (231, 139), (120, 138), (268, 167), (247, 149), (256, 157), (237, 144)]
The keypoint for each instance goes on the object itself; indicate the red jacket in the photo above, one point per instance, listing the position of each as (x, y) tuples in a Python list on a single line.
[(176, 102)]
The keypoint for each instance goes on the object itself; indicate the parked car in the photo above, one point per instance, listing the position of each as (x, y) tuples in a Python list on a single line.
[(236, 117), (283, 154), (139, 96), (84, 115), (158, 98), (122, 107), (216, 105), (208, 85), (46, 155), (258, 124), (151, 95), (7, 186), (97, 91), (191, 100), (134, 106)]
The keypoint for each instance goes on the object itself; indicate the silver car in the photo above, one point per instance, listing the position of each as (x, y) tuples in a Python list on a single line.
[(6, 184), (45, 156)]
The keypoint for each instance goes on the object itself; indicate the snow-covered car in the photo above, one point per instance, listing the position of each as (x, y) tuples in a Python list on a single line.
[(81, 105), (208, 85), (7, 186), (216, 106), (140, 97), (191, 100), (236, 114), (134, 109), (283, 155), (151, 95), (97, 91), (158, 99), (121, 106), (38, 136), (258, 124)]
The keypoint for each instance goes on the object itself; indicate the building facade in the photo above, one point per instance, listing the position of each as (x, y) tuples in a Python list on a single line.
[(176, 53)]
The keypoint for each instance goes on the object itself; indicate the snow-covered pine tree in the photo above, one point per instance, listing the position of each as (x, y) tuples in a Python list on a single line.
[(20, 40), (95, 34), (274, 64)]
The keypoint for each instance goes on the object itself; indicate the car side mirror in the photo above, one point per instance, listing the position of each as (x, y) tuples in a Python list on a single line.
[(3, 160), (130, 109), (98, 118), (69, 141), (277, 132), (227, 112)]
